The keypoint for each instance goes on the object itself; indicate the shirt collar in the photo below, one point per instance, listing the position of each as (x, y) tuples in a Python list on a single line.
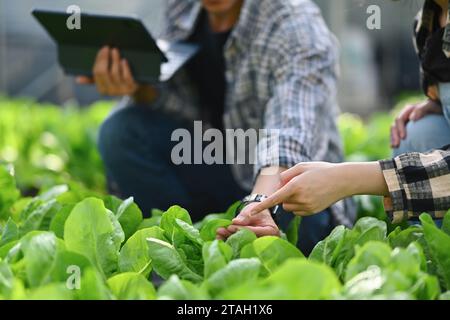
[(186, 13)]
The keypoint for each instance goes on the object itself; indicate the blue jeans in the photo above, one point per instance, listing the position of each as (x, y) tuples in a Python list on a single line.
[(430, 132), (135, 145), (444, 92)]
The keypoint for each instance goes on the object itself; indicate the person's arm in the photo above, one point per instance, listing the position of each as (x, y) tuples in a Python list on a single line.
[(412, 183), (309, 188), (304, 72)]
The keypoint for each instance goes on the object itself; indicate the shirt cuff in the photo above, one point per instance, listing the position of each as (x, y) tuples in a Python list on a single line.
[(396, 205)]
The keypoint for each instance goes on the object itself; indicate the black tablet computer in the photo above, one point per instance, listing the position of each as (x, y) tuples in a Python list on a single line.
[(78, 48)]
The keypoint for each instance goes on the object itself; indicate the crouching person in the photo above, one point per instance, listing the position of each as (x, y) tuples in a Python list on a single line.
[(263, 65)]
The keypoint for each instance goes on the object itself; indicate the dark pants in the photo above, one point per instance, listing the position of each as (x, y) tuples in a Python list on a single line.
[(135, 144)]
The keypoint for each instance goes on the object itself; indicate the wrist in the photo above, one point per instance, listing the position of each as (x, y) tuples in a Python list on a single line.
[(342, 175), (253, 200), (361, 178)]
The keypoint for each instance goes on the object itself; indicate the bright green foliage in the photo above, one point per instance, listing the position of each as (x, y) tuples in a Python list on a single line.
[(89, 230), (216, 256), (295, 279), (71, 241), (237, 272), (49, 145), (127, 212), (60, 229), (338, 248), (131, 286), (445, 296), (446, 223), (167, 260), (377, 271), (271, 251), (9, 194), (176, 289), (439, 245), (239, 240), (208, 231), (134, 255), (93, 286)]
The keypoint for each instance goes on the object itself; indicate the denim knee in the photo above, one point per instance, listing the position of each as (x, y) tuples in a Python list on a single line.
[(113, 133), (431, 132), (136, 132), (444, 92)]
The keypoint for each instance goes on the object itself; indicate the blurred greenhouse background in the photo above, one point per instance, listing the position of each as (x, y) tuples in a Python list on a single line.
[(384, 58)]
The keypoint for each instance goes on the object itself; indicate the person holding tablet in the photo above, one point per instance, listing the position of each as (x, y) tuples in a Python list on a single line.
[(263, 64)]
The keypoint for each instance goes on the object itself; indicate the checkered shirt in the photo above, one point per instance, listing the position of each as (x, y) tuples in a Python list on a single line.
[(418, 183)]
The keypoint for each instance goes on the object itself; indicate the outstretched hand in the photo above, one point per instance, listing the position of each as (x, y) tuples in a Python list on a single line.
[(306, 189)]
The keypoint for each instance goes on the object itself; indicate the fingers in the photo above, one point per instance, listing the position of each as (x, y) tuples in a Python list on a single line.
[(398, 130), (127, 76), (395, 138), (275, 199), (428, 107), (223, 234), (116, 73), (241, 220), (112, 74), (101, 70), (400, 124), (297, 209), (418, 114), (403, 119), (291, 207), (260, 231), (291, 173)]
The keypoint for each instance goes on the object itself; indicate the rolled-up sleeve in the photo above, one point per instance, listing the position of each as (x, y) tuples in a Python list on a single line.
[(304, 75), (417, 183)]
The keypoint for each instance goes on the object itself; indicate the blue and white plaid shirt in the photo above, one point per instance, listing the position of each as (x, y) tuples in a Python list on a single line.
[(281, 73)]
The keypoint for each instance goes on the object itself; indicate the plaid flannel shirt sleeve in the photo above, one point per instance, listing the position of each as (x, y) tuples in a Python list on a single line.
[(417, 183), (303, 67)]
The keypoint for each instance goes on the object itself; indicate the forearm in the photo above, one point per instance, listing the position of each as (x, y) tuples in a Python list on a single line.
[(359, 178)]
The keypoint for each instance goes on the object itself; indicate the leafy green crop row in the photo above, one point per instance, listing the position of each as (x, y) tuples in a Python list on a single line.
[(50, 145), (64, 245), (72, 241)]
